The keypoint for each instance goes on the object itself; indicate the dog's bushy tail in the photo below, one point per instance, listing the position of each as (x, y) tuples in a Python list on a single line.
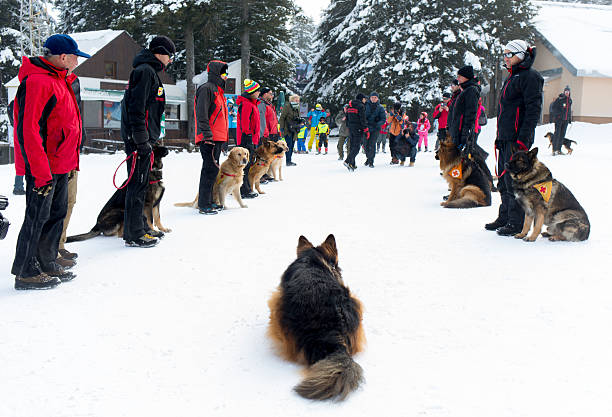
[(462, 203), (333, 377), (84, 236)]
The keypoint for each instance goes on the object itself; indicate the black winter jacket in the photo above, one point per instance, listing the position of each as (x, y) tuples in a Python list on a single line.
[(356, 117), (562, 108), (451, 106), (375, 116), (144, 101), (464, 112), (520, 103)]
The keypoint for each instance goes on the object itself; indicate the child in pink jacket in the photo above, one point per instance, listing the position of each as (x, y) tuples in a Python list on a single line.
[(423, 129)]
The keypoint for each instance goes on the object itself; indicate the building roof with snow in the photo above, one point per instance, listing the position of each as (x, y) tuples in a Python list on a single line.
[(92, 42), (577, 34)]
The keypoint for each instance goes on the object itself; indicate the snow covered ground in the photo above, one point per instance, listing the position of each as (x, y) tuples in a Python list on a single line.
[(459, 321)]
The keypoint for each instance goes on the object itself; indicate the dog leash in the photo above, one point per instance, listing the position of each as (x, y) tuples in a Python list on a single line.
[(132, 155)]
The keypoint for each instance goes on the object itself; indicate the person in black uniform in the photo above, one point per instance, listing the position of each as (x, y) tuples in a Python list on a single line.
[(142, 108), (358, 128)]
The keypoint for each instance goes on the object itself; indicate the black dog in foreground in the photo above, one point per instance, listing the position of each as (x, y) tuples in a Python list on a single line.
[(110, 219), (546, 201), (314, 320)]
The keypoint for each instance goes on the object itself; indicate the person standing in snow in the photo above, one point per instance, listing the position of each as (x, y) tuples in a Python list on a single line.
[(375, 116), (395, 120), (358, 128), (423, 129), (290, 125), (465, 107), (211, 131), (384, 134), (248, 129), (455, 91), (441, 114), (562, 116), (267, 115), (343, 133), (322, 133), (314, 116), (47, 140), (518, 114), (142, 109)]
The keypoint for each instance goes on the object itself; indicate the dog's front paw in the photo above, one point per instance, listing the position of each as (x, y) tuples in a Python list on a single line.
[(520, 235), (530, 239), (443, 204), (244, 206)]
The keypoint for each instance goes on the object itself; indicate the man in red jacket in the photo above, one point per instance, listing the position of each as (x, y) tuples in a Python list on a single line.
[(247, 130), (211, 131), (441, 113), (47, 139)]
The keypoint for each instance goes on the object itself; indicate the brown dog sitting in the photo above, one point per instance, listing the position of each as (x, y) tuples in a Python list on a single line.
[(276, 167), (264, 155), (230, 177), (469, 186)]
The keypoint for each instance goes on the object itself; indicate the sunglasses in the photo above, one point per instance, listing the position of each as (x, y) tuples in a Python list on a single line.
[(510, 54)]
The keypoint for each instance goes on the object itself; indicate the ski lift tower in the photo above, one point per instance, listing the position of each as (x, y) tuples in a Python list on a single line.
[(35, 26)]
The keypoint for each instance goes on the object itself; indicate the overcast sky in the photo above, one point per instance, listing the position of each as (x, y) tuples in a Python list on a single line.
[(313, 8)]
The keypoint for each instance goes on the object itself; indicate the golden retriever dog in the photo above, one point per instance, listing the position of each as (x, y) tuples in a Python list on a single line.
[(230, 177), (276, 167), (233, 167), (264, 155)]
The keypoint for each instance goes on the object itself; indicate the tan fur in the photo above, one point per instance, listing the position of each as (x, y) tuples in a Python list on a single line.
[(234, 164), (460, 193), (283, 342), (226, 184), (276, 167), (264, 155)]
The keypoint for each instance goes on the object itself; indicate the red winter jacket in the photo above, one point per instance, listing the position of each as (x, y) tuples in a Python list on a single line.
[(248, 119), (210, 106), (48, 123), (442, 116)]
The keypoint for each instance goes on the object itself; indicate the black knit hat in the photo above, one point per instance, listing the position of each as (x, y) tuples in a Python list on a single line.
[(467, 72), (446, 95), (374, 94), (397, 105), (567, 88), (265, 90), (162, 45), (455, 82), (360, 96)]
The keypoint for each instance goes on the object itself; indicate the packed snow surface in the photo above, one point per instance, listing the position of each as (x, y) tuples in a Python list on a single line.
[(459, 321)]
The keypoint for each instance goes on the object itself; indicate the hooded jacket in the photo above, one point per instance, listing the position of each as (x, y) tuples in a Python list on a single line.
[(248, 119), (423, 124), (342, 128), (356, 117), (289, 119), (464, 112), (47, 121), (144, 101), (562, 108), (210, 106), (396, 121), (520, 103), (442, 116)]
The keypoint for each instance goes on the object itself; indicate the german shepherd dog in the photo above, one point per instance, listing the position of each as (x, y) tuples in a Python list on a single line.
[(315, 321), (546, 201), (469, 186), (110, 219), (264, 155), (567, 143)]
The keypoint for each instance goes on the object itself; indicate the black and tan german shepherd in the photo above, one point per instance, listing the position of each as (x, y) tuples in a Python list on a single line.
[(110, 219), (546, 201), (469, 185), (567, 143), (315, 321)]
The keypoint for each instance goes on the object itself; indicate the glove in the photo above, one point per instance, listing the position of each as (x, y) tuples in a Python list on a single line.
[(44, 190), (246, 140), (144, 148), (367, 132)]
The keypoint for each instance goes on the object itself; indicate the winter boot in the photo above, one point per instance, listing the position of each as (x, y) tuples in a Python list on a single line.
[(145, 241), (156, 233), (411, 164), (426, 150), (325, 151), (55, 270), (384, 148), (208, 210), (509, 230), (402, 163), (65, 263), (496, 224), (419, 150), (394, 161), (38, 282)]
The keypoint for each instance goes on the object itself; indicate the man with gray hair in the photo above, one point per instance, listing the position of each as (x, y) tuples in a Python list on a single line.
[(48, 136), (519, 108)]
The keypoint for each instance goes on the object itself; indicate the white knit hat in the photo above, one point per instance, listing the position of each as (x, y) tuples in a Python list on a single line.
[(518, 46)]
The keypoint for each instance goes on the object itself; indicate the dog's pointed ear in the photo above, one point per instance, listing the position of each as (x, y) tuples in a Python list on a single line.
[(533, 153), (303, 245), (329, 247)]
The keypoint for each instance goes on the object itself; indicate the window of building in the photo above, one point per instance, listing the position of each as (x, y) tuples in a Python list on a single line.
[(173, 116), (110, 69)]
